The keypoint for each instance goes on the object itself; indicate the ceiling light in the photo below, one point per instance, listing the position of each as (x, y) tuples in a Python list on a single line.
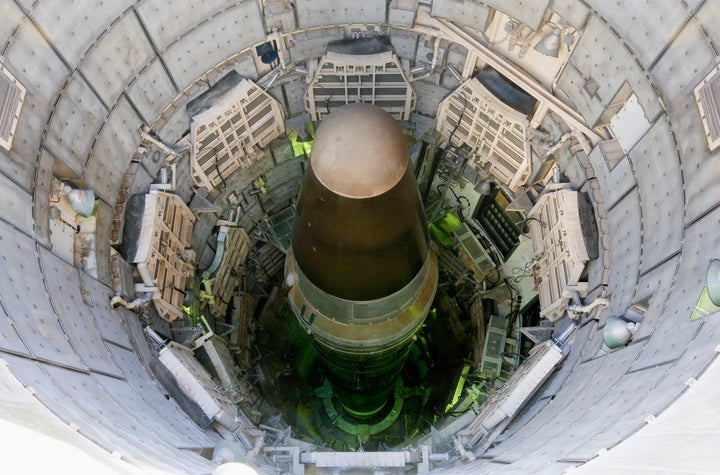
[(81, 201), (267, 52), (484, 187), (550, 45), (617, 332)]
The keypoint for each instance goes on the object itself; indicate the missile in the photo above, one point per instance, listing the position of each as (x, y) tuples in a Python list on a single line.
[(360, 273)]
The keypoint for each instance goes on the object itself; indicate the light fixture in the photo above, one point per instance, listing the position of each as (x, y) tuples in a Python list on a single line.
[(415, 70), (550, 45), (81, 201), (484, 187), (267, 52), (713, 282), (523, 51), (569, 39), (617, 332), (511, 28)]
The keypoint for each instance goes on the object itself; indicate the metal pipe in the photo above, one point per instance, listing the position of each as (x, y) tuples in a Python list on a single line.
[(417, 69), (588, 308), (454, 72), (436, 54), (565, 335), (133, 304), (145, 134), (556, 174), (556, 146), (272, 80), (164, 175), (219, 254), (157, 339)]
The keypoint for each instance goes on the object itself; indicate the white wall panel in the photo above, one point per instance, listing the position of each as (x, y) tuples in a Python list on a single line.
[(684, 64), (624, 223), (214, 41), (638, 21), (76, 317), (12, 17), (75, 123), (599, 54), (573, 12), (117, 58), (168, 20), (26, 302), (73, 25), (312, 13), (470, 13), (151, 91), (43, 76), (112, 152), (16, 207), (615, 183), (657, 170)]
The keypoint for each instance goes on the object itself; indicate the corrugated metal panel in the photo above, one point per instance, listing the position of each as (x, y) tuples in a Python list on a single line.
[(707, 96), (359, 459), (12, 95), (477, 254), (494, 346)]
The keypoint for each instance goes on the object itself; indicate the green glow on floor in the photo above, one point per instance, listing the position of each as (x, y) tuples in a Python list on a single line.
[(458, 388)]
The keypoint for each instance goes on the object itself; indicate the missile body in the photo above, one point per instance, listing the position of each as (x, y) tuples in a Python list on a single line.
[(360, 272)]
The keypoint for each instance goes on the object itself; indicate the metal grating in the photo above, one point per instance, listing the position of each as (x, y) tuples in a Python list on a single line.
[(228, 275), (164, 258), (341, 79), (478, 259), (12, 96), (359, 459), (472, 245), (494, 346), (452, 264), (231, 133), (557, 238), (499, 226), (471, 116), (707, 96)]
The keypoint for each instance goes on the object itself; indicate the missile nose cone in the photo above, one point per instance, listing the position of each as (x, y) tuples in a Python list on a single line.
[(359, 152), (359, 230)]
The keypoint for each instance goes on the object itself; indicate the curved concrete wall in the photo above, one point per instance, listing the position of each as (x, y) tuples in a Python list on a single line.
[(97, 71)]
